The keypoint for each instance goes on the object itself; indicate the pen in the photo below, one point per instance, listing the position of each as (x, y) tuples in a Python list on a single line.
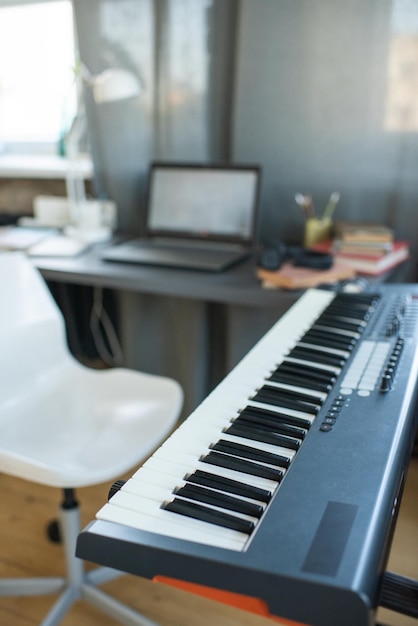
[(306, 204), (332, 203)]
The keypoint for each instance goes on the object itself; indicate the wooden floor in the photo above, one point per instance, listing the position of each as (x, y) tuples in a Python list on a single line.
[(25, 551)]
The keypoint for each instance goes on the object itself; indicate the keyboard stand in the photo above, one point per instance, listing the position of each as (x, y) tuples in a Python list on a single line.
[(399, 594)]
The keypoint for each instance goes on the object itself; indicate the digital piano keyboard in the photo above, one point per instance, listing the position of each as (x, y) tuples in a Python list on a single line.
[(285, 482)]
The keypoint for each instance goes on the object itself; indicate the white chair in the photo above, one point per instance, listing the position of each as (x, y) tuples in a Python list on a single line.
[(66, 425)]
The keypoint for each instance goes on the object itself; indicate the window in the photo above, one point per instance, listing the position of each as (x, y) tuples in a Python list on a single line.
[(402, 83), (37, 87)]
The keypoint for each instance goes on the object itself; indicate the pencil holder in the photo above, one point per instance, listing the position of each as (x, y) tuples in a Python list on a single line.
[(316, 231)]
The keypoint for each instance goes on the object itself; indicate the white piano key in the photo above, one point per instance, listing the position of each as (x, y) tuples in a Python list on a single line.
[(168, 482), (173, 454), (201, 439), (350, 320), (159, 479), (164, 525), (315, 346), (301, 435), (305, 390), (152, 507), (338, 331), (201, 450), (154, 478), (283, 410), (259, 445), (179, 465), (162, 494), (326, 368), (144, 489)]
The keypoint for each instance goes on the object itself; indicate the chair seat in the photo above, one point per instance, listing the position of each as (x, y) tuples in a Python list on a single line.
[(90, 425)]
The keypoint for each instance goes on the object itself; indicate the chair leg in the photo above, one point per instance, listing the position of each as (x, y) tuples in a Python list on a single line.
[(30, 586), (70, 528), (102, 575), (112, 607), (82, 583), (60, 608), (77, 584)]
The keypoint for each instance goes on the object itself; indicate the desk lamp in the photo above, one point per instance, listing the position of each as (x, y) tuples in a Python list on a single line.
[(92, 220)]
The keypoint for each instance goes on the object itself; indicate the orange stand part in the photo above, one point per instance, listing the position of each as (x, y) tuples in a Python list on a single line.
[(238, 600)]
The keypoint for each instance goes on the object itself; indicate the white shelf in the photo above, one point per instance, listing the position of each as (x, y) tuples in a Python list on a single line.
[(34, 166)]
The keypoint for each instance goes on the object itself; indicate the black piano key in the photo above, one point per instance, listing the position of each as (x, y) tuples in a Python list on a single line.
[(341, 308), (325, 339), (352, 298), (301, 372), (329, 342), (241, 465), (309, 368), (335, 332), (278, 427), (303, 396), (359, 316), (310, 372), (344, 310), (265, 435), (247, 452), (340, 353), (359, 299), (280, 376), (318, 326), (271, 418), (206, 514), (230, 485), (277, 397), (222, 500), (331, 320), (324, 321), (318, 356), (344, 315)]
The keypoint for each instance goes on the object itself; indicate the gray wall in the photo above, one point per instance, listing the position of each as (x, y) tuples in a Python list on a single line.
[(315, 88)]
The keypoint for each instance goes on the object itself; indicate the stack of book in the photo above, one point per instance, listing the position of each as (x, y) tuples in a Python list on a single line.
[(369, 249)]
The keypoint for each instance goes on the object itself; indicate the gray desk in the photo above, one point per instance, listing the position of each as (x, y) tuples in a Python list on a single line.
[(193, 326), (237, 285)]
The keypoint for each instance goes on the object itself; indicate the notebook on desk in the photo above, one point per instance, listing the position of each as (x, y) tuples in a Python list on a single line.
[(198, 216)]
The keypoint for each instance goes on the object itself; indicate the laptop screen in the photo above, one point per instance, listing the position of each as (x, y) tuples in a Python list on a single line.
[(203, 201)]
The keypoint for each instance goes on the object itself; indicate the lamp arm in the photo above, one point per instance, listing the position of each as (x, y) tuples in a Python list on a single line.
[(74, 178)]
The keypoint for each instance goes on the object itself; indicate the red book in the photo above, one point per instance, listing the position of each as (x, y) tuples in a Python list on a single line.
[(367, 264), (373, 250)]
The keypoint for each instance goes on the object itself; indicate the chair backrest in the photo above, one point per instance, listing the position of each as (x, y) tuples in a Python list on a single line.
[(32, 331)]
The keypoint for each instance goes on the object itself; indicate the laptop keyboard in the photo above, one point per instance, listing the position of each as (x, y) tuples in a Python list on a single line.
[(181, 244), (170, 251), (164, 254)]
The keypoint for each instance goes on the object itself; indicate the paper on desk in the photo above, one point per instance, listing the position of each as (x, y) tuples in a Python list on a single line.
[(59, 245), (18, 238)]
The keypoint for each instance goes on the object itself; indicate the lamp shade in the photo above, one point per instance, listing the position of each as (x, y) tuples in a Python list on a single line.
[(115, 84)]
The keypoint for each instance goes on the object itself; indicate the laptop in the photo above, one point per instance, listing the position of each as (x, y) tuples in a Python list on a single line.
[(198, 216)]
